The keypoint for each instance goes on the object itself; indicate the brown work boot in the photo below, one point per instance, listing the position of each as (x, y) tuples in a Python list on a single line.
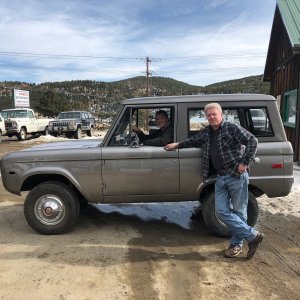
[(253, 245), (233, 251)]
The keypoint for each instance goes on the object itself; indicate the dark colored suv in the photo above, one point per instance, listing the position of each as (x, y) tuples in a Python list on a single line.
[(72, 124)]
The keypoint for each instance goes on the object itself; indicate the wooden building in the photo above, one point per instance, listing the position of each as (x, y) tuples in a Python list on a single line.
[(282, 67)]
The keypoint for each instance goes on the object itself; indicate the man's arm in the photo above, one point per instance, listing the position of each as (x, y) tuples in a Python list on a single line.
[(171, 147), (251, 147), (194, 142), (247, 139), (166, 138)]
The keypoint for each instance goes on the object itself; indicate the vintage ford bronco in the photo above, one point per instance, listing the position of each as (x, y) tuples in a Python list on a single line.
[(59, 176)]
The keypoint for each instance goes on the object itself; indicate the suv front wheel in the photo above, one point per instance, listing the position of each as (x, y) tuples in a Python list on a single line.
[(22, 134), (214, 223), (77, 133), (51, 208)]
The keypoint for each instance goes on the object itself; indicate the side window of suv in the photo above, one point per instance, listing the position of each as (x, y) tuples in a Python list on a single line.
[(260, 124), (142, 117), (197, 119), (255, 120)]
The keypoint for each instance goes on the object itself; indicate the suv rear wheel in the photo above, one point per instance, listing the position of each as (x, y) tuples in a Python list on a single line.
[(212, 220), (90, 132)]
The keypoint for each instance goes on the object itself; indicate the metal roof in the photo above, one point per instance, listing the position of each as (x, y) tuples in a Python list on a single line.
[(199, 98), (290, 13), (287, 16)]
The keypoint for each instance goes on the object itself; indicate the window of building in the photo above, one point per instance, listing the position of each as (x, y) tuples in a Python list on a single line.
[(290, 108)]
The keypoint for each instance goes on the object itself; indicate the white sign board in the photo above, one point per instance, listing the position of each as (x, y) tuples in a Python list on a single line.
[(21, 98)]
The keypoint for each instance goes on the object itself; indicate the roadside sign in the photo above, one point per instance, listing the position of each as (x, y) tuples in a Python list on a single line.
[(21, 98)]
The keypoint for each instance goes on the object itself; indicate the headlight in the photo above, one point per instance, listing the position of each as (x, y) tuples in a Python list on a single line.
[(72, 124)]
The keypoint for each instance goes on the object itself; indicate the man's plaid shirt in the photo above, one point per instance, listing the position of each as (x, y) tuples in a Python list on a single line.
[(235, 145)]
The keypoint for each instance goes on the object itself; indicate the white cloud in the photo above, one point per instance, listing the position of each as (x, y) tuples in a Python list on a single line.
[(217, 3), (128, 29)]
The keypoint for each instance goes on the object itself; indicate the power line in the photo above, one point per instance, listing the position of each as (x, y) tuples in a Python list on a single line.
[(186, 69), (236, 55), (111, 71), (65, 56), (119, 71)]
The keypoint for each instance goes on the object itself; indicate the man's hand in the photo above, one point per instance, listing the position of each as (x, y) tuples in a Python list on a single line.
[(171, 147), (135, 129), (242, 168)]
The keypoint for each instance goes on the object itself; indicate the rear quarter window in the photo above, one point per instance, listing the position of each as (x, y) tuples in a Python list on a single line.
[(255, 120), (197, 120), (260, 124)]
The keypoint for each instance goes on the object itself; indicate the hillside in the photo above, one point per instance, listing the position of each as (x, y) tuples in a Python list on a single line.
[(251, 84), (103, 98)]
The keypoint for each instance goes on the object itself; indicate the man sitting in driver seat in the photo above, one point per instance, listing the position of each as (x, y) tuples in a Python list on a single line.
[(161, 137)]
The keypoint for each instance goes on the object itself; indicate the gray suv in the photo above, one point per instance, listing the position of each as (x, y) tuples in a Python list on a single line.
[(59, 176), (72, 124)]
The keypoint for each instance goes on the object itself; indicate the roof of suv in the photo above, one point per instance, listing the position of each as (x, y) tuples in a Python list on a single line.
[(74, 111), (200, 98)]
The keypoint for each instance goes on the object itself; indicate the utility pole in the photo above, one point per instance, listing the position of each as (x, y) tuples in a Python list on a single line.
[(148, 76)]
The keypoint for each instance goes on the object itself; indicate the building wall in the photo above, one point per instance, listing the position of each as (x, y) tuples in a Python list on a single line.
[(286, 79)]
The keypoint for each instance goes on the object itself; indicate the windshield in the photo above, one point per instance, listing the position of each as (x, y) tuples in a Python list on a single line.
[(4, 114), (257, 113), (69, 115), (14, 114)]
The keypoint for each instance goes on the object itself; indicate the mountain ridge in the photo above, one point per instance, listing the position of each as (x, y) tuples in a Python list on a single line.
[(103, 98)]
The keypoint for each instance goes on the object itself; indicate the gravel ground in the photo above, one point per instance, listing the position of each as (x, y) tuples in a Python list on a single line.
[(150, 251)]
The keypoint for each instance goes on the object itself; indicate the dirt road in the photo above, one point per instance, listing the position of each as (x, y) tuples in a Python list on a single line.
[(145, 252)]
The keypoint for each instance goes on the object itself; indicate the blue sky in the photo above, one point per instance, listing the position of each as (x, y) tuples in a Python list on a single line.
[(196, 41)]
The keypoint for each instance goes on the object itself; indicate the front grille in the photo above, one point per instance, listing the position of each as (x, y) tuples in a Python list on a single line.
[(8, 125), (60, 124)]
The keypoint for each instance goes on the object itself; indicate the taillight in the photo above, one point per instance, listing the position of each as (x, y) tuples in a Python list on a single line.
[(277, 166)]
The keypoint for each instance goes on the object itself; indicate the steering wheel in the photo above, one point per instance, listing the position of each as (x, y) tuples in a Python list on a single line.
[(124, 139)]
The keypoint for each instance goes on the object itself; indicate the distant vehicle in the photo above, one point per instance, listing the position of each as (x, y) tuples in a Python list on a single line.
[(72, 124), (21, 121), (4, 114), (259, 119), (2, 127)]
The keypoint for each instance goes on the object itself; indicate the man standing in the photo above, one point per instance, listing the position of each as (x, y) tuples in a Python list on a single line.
[(229, 148)]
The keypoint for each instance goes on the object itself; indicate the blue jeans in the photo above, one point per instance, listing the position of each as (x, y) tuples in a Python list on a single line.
[(231, 201)]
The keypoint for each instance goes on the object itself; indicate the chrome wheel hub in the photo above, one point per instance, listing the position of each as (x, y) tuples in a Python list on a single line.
[(49, 210)]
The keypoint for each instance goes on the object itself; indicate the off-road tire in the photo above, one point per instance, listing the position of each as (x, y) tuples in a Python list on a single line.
[(51, 208), (78, 133), (46, 131), (216, 225), (90, 132), (22, 134)]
